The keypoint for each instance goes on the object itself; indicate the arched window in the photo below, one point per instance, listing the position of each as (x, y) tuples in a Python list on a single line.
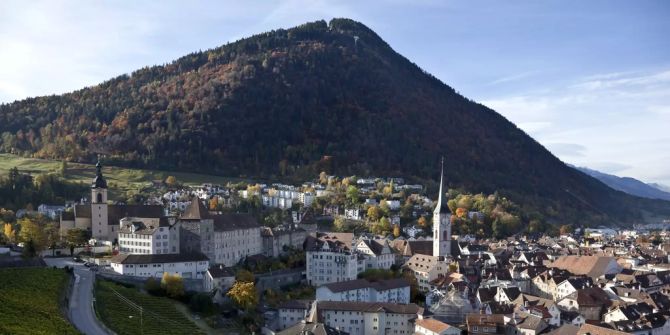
[(99, 197)]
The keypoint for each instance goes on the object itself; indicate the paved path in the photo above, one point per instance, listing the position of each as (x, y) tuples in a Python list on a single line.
[(81, 302)]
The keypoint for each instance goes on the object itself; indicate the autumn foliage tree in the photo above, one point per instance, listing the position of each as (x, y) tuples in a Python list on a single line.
[(244, 295), (173, 285)]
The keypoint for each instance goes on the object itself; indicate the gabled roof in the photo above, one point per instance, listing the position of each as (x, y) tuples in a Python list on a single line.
[(433, 325), (196, 210)]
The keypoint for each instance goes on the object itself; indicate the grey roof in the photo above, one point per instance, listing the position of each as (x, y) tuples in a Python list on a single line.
[(228, 222), (220, 271), (369, 307), (356, 284), (158, 258), (296, 304)]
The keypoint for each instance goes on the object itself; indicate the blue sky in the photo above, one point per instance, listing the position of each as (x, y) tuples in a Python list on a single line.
[(590, 80)]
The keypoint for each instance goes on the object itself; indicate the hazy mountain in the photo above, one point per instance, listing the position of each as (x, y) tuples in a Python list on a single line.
[(628, 185), (291, 103)]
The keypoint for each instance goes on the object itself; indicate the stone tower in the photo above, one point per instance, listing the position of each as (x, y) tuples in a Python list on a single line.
[(99, 210)]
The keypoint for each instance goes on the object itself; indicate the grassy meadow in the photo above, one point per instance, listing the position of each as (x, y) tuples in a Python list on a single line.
[(120, 180)]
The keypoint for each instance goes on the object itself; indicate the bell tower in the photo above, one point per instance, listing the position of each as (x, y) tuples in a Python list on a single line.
[(441, 223), (99, 210)]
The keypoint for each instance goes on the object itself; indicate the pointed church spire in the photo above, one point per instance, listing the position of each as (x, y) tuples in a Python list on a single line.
[(441, 206)]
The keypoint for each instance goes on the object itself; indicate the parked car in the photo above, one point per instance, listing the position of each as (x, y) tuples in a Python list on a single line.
[(77, 259), (87, 264)]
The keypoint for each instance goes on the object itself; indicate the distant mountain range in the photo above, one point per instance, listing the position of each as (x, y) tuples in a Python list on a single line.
[(630, 185), (290, 103)]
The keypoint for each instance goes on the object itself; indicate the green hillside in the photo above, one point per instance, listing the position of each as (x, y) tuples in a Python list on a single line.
[(29, 301)]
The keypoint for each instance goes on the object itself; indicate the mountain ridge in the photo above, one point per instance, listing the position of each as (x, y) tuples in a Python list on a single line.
[(290, 103), (629, 185)]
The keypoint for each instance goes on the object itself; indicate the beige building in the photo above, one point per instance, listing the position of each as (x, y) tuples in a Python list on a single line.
[(426, 269), (330, 258), (224, 238)]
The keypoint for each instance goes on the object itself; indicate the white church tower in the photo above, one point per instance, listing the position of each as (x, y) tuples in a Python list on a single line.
[(99, 208), (441, 224)]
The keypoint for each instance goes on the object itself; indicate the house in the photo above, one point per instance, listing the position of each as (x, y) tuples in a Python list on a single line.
[(50, 211), (571, 285), (590, 302), (434, 327), (185, 265), (546, 308), (148, 236), (378, 254), (330, 258), (426, 269), (484, 324), (218, 280), (391, 290), (292, 312), (354, 213), (525, 324), (369, 318)]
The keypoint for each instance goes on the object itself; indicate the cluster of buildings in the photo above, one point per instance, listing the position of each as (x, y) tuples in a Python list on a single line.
[(149, 242), (600, 281)]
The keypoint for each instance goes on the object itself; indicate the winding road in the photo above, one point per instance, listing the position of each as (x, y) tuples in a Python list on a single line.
[(81, 312)]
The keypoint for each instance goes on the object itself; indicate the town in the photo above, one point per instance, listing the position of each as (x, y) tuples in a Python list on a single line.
[(352, 256)]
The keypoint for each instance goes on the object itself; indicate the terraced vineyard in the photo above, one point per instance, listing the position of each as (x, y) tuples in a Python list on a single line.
[(29, 301), (117, 307)]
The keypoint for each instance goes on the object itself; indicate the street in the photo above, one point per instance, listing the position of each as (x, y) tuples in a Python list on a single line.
[(81, 302)]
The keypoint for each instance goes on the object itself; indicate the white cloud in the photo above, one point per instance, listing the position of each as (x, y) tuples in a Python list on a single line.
[(619, 122)]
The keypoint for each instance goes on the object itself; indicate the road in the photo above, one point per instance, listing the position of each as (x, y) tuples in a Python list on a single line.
[(81, 302)]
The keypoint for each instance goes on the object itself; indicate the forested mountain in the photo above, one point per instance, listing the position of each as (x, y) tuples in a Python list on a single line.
[(627, 184), (291, 103)]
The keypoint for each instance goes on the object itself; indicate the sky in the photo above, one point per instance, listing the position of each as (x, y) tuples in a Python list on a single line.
[(589, 80)]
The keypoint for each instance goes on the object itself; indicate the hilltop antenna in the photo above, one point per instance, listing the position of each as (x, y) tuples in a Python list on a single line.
[(356, 40)]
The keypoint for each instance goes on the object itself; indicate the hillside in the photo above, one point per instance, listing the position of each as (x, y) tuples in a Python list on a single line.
[(627, 184), (290, 103)]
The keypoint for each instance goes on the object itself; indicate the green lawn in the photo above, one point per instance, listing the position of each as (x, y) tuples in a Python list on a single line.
[(29, 301), (119, 179), (160, 315)]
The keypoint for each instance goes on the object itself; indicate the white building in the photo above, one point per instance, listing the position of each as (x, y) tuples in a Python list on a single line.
[(365, 318), (377, 253), (330, 258), (148, 236), (277, 202), (218, 280), (391, 290), (292, 312), (307, 198), (184, 265), (50, 211)]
